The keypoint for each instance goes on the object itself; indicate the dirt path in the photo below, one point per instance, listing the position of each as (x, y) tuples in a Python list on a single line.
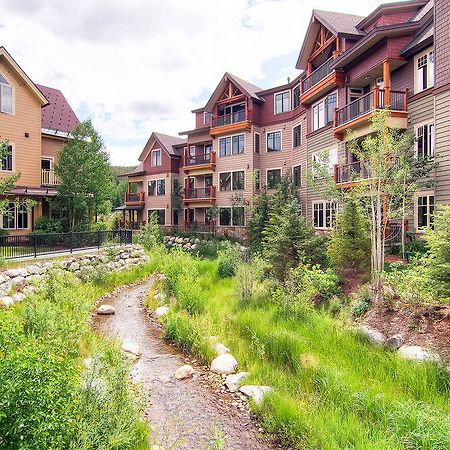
[(183, 414)]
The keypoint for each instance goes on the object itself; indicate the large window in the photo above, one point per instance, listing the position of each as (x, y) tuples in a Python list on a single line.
[(232, 216), (323, 214), (232, 181), (424, 71), (7, 161), (225, 217), (9, 218), (296, 96), (206, 117), (231, 145), (160, 215), (6, 96), (297, 175), (156, 158), (425, 210), (16, 217), (22, 217), (282, 102), (273, 178), (156, 187), (274, 141), (425, 141), (296, 136), (323, 111), (257, 142)]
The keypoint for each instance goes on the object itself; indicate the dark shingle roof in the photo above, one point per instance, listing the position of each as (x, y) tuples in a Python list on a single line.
[(58, 114), (169, 141), (248, 87), (339, 23)]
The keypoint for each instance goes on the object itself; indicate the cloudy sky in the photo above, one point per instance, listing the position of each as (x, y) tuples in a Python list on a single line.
[(138, 66)]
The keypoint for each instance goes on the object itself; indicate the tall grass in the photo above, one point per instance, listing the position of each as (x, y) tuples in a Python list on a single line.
[(332, 388)]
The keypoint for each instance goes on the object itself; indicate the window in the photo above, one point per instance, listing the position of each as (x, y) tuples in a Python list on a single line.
[(237, 216), (425, 141), (296, 136), (424, 74), (256, 143), (9, 218), (225, 216), (7, 161), (160, 187), (6, 96), (273, 178), (156, 187), (231, 181), (231, 145), (160, 215), (22, 217), (297, 175), (324, 159), (282, 102), (206, 117), (274, 141), (323, 214), (425, 210), (156, 158), (207, 151), (323, 111), (296, 96)]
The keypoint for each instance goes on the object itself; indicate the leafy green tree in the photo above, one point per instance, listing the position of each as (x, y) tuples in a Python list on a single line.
[(85, 174)]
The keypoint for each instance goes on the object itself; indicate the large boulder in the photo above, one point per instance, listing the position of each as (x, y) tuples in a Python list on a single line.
[(394, 342), (417, 353), (6, 301), (233, 381), (106, 310), (373, 335), (256, 393), (131, 348), (224, 364), (11, 273), (160, 312), (19, 282), (183, 372)]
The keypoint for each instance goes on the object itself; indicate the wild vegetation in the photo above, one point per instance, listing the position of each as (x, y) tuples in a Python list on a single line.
[(51, 396)]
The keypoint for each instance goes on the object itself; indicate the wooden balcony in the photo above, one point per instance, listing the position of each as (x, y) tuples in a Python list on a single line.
[(49, 178), (203, 162), (229, 123), (358, 113), (348, 175), (200, 227), (200, 195), (320, 81), (134, 198)]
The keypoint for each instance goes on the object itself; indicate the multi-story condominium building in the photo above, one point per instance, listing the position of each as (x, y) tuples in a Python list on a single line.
[(396, 58), (35, 121)]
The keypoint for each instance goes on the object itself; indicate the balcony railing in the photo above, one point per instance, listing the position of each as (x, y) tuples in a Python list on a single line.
[(200, 227), (49, 178), (200, 193), (228, 119), (376, 99), (319, 74), (200, 160), (347, 173), (134, 197)]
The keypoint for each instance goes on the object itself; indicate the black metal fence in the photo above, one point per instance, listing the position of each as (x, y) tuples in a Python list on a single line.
[(33, 245)]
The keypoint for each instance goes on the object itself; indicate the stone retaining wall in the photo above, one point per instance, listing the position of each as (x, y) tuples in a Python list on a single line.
[(15, 284)]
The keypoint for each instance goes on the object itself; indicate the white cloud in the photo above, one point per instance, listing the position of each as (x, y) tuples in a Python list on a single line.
[(137, 66)]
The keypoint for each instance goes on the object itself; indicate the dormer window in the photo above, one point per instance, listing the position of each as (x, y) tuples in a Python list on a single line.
[(6, 96), (156, 158), (206, 117)]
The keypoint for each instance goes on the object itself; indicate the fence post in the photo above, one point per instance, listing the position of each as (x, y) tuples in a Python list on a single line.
[(120, 236), (71, 242), (35, 245)]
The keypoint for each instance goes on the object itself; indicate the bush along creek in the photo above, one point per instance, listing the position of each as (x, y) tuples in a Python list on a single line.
[(61, 385), (314, 381)]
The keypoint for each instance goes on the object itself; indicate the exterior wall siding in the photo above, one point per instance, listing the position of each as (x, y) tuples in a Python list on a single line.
[(442, 112)]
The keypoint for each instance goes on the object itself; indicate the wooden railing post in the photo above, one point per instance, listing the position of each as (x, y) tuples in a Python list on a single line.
[(336, 173), (334, 117), (405, 99), (376, 97)]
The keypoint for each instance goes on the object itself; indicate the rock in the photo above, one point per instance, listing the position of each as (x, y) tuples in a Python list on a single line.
[(74, 266), (6, 301), (220, 348), (374, 336), (224, 364), (33, 270), (256, 393), (18, 297), (394, 342), (161, 311), (133, 349), (233, 381), (417, 353), (183, 372), (11, 273), (18, 282), (106, 310)]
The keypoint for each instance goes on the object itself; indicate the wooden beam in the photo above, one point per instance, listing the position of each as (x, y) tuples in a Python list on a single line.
[(387, 82)]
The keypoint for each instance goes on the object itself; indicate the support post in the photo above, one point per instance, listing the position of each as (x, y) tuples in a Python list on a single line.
[(387, 83)]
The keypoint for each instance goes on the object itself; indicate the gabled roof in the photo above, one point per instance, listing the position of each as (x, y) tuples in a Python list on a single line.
[(139, 170), (339, 24), (40, 96), (170, 144), (58, 114), (423, 39), (245, 87)]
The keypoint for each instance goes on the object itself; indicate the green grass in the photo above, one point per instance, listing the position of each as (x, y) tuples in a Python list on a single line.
[(48, 399), (332, 389)]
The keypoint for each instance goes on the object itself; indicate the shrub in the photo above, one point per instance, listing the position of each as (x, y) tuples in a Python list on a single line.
[(361, 300), (150, 235), (349, 244), (228, 260), (47, 225)]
